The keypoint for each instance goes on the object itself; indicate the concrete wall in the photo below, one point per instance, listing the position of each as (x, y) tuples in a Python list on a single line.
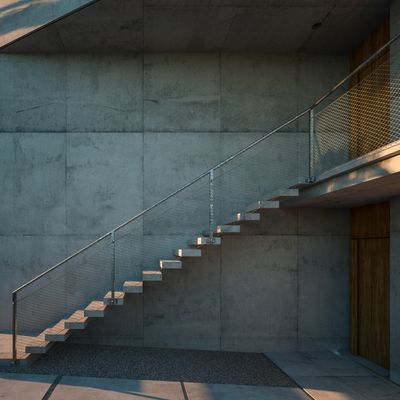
[(282, 284), (89, 140)]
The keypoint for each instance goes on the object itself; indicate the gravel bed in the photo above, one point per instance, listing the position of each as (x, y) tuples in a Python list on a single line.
[(158, 364)]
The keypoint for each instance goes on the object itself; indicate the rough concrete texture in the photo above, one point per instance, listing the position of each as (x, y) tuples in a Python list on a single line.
[(334, 375), (198, 391), (28, 386), (273, 287), (87, 141), (161, 92), (196, 25), (81, 388)]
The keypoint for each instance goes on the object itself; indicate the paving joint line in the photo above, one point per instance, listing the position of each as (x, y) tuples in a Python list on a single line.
[(52, 387), (185, 395)]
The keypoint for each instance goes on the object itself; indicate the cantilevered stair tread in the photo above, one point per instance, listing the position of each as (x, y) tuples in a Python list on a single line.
[(227, 229), (38, 346), (118, 299), (301, 185), (152, 276), (95, 309), (77, 320), (133, 286), (170, 264), (188, 253), (205, 241), (285, 194), (245, 217), (263, 205), (58, 333)]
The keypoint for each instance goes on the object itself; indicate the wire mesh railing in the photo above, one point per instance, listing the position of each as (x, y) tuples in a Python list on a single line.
[(354, 118), (361, 120)]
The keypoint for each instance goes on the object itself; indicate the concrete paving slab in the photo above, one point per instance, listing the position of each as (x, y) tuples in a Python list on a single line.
[(328, 388), (318, 364), (24, 386), (346, 388), (82, 388), (336, 365), (200, 391), (294, 364), (372, 387)]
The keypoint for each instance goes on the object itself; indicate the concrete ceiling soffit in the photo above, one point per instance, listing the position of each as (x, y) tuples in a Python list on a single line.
[(210, 25)]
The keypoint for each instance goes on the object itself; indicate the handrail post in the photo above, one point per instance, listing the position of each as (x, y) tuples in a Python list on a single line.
[(211, 207), (113, 270), (14, 328), (311, 143)]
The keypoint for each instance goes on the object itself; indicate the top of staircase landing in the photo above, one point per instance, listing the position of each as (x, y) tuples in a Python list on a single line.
[(370, 178)]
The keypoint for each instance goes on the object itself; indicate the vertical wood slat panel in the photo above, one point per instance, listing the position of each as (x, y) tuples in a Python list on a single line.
[(353, 286), (371, 221), (369, 282), (373, 300)]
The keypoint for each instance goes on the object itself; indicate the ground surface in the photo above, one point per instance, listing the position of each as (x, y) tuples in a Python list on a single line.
[(320, 376), (159, 364)]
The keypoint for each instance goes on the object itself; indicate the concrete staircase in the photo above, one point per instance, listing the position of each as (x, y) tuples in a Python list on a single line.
[(98, 308)]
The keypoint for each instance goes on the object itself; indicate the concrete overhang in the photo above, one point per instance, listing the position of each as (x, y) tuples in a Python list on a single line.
[(369, 179), (273, 26)]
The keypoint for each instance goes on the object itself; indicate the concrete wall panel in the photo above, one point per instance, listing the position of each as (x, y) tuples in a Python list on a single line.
[(254, 308), (33, 178), (172, 159), (104, 180), (106, 157), (258, 92), (105, 93), (22, 257), (180, 314), (323, 287), (181, 92), (33, 96)]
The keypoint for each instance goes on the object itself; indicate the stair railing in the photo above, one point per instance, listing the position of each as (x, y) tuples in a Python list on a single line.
[(96, 269)]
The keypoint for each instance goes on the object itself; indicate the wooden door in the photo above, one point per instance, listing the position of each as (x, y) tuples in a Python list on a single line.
[(369, 283)]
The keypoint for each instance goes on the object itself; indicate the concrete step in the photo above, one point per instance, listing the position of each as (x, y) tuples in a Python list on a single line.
[(76, 321), (152, 276), (188, 253), (117, 301), (170, 264), (244, 217), (133, 287), (227, 229), (58, 333), (262, 205), (285, 194), (95, 309), (204, 241), (301, 185), (38, 346)]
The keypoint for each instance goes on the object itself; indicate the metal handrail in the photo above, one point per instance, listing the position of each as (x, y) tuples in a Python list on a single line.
[(222, 163), (210, 172)]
